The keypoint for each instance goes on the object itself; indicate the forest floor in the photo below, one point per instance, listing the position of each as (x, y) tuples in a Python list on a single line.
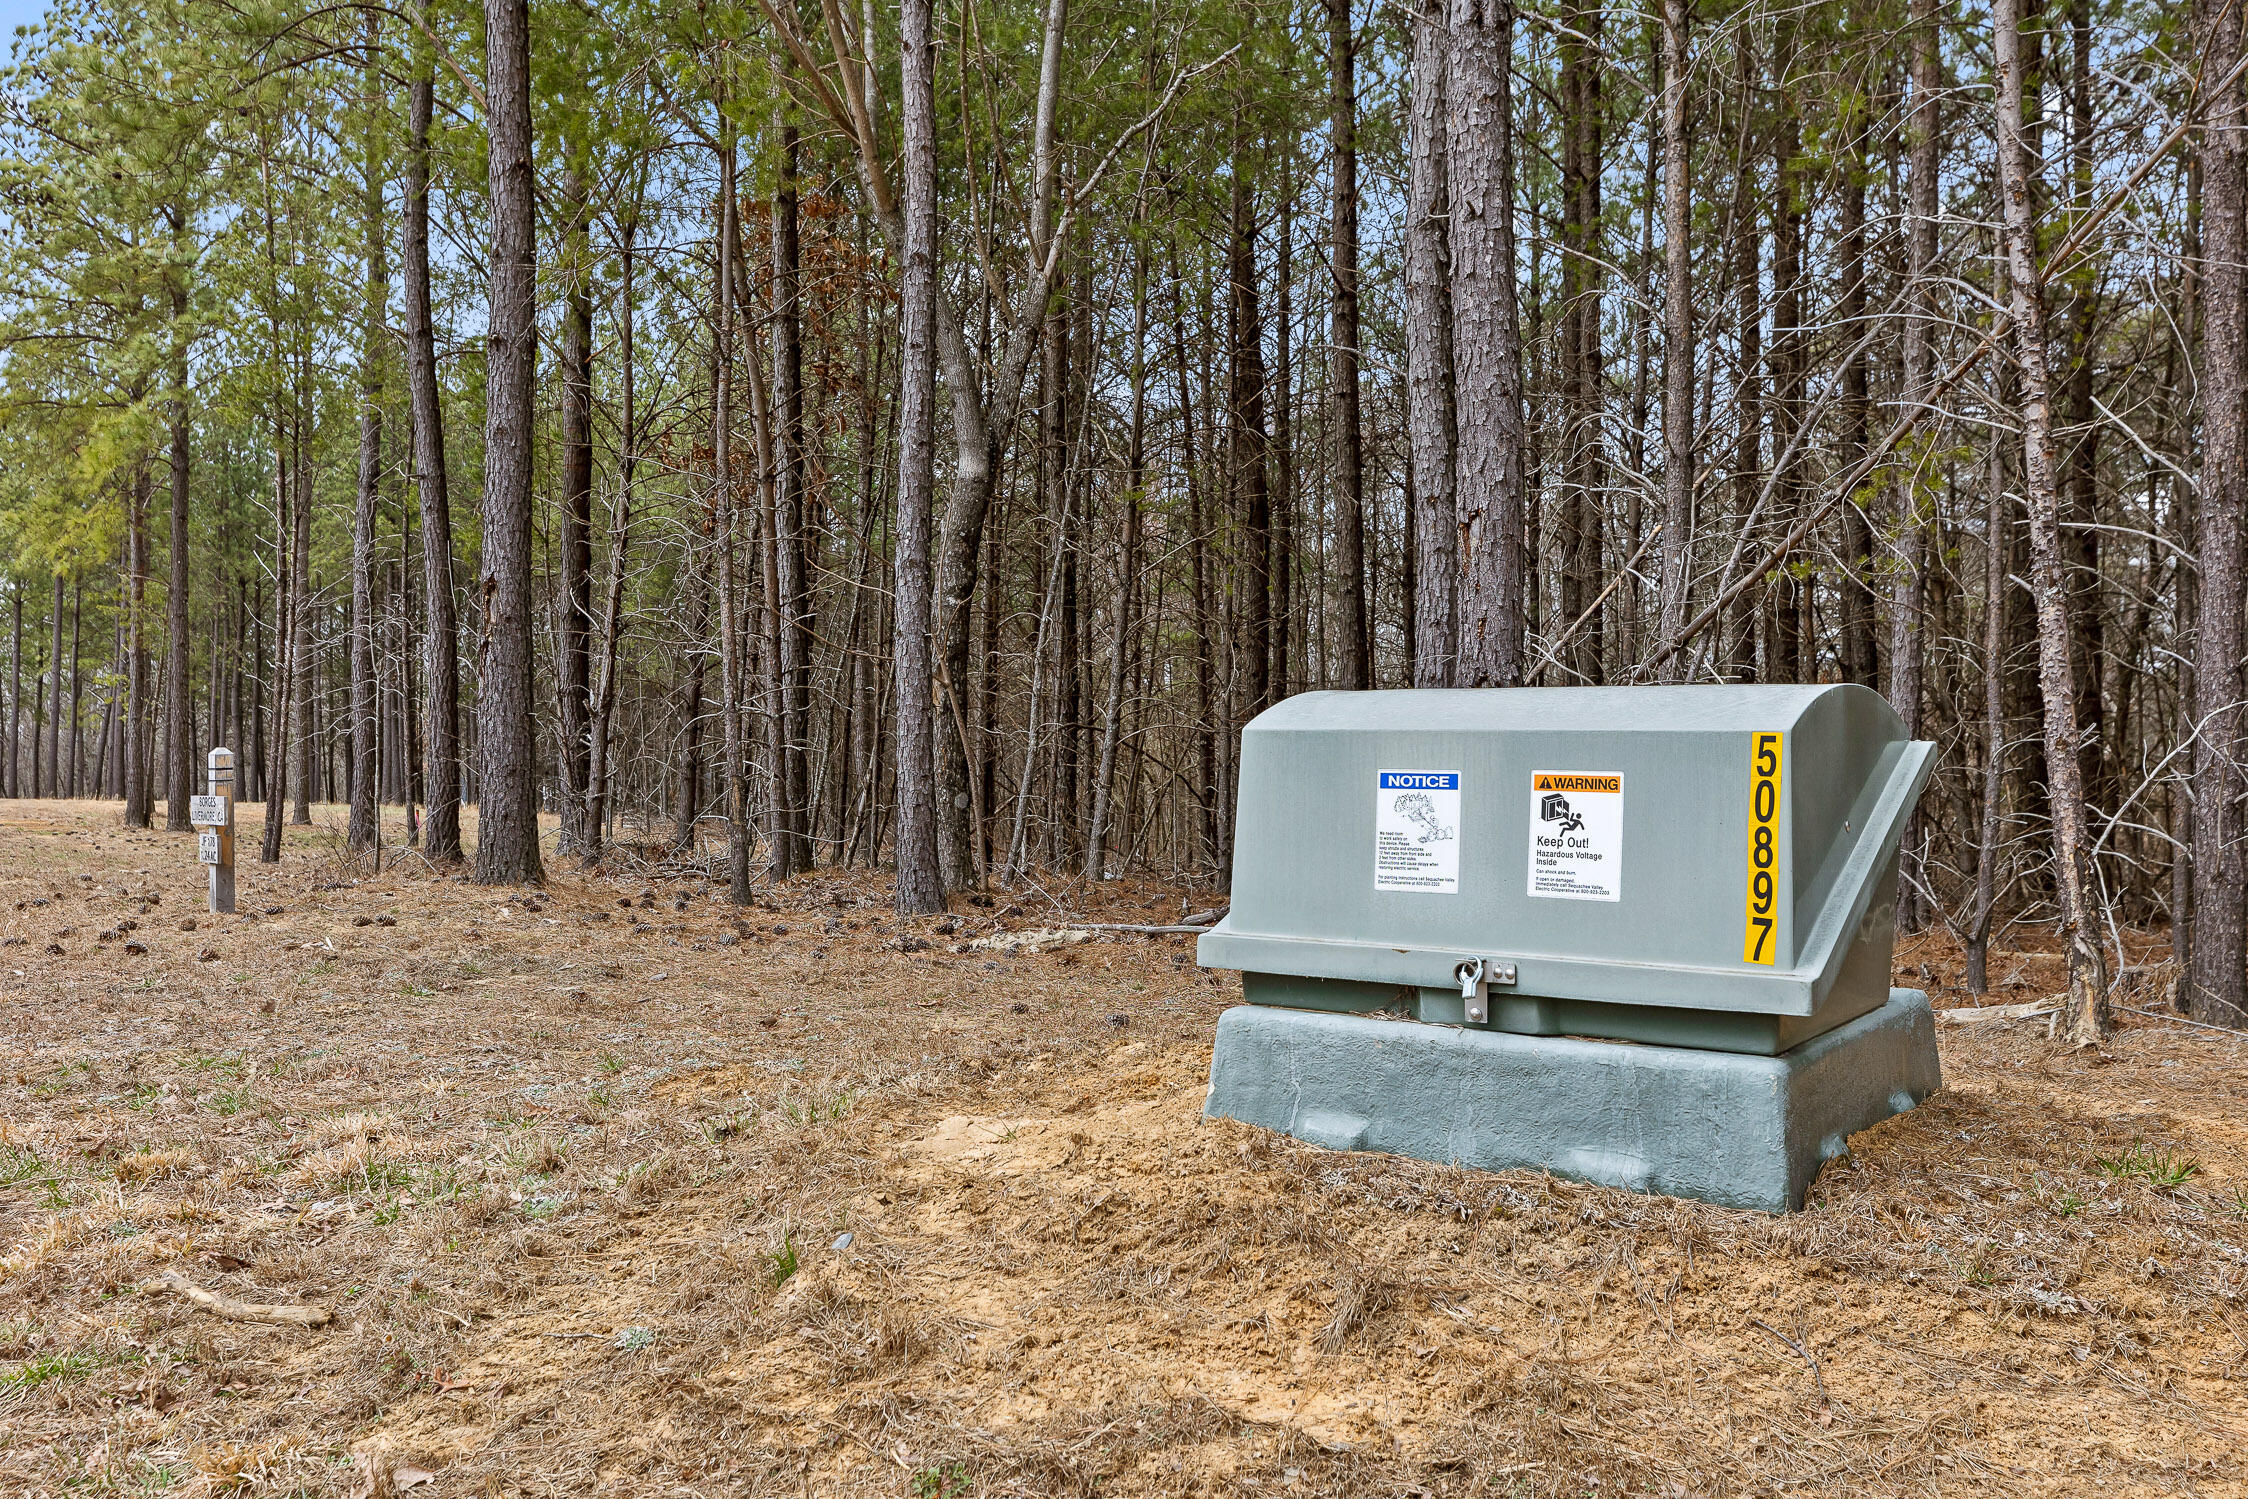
[(610, 1193)]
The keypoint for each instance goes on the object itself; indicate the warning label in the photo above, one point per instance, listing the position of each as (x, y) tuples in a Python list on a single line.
[(1417, 831), (1576, 835)]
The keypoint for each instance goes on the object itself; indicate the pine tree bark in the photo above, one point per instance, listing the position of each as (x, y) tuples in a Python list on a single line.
[(599, 770), (139, 794), (441, 732), (1486, 342), (15, 691), (363, 831), (275, 729), (920, 884), (792, 849), (1678, 344), (731, 678), (574, 608), (54, 691), (2220, 871), (179, 780), (1923, 127), (1583, 400), (1783, 644), (1738, 633), (1127, 587), (1860, 662), (507, 838), (1248, 448), (1432, 411), (2085, 1020), (1346, 432)]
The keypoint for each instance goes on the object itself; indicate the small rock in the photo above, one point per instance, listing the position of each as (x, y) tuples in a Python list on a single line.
[(729, 939), (842, 1242)]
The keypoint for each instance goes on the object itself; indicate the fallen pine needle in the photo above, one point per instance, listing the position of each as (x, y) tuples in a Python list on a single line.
[(219, 1305)]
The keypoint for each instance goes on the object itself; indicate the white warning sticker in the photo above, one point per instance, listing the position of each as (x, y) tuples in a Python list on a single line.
[(1577, 835), (1417, 831)]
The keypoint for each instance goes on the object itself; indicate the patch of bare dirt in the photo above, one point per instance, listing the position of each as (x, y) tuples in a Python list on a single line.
[(613, 1188)]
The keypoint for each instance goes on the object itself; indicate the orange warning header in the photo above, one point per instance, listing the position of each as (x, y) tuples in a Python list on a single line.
[(1547, 781)]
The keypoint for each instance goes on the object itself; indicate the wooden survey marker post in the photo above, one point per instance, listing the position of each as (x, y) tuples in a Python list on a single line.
[(213, 816)]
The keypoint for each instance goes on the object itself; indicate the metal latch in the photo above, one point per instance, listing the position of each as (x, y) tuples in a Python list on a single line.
[(1476, 976)]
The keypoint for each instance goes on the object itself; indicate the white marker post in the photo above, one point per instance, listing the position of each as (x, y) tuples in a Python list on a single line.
[(213, 816)]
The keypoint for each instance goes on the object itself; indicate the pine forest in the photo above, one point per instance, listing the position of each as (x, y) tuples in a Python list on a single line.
[(920, 436)]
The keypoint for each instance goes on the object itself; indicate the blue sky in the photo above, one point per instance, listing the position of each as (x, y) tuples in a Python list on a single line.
[(14, 13)]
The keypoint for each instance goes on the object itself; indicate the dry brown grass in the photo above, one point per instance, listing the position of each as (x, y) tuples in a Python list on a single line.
[(577, 1190)]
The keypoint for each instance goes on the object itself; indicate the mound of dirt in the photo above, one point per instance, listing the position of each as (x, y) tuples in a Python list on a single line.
[(627, 1207)]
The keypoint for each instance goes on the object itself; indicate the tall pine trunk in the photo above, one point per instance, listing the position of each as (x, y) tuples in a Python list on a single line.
[(1346, 433), (1486, 342), (920, 886), (792, 849), (441, 732), (1678, 344), (2220, 870), (1432, 408), (574, 608), (507, 838), (364, 831), (2085, 1019)]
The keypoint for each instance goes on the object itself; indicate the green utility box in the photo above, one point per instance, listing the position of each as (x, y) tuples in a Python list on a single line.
[(1705, 871)]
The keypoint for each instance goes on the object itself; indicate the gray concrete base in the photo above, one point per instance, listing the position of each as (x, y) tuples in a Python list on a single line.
[(1724, 1127)]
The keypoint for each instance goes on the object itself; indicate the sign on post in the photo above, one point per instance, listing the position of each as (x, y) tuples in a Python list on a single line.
[(214, 843)]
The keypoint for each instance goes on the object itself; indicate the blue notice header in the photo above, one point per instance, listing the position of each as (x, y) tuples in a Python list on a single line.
[(1420, 780)]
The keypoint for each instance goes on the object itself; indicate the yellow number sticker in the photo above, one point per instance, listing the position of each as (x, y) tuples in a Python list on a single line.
[(1759, 937)]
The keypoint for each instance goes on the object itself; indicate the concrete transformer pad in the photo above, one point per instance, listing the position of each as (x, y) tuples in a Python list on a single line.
[(1737, 1130)]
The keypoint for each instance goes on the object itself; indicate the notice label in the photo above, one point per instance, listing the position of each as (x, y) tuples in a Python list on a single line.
[(207, 811), (1417, 831), (207, 848), (1577, 835)]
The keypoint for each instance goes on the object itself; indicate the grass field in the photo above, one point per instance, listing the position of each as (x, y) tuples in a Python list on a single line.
[(614, 1189)]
